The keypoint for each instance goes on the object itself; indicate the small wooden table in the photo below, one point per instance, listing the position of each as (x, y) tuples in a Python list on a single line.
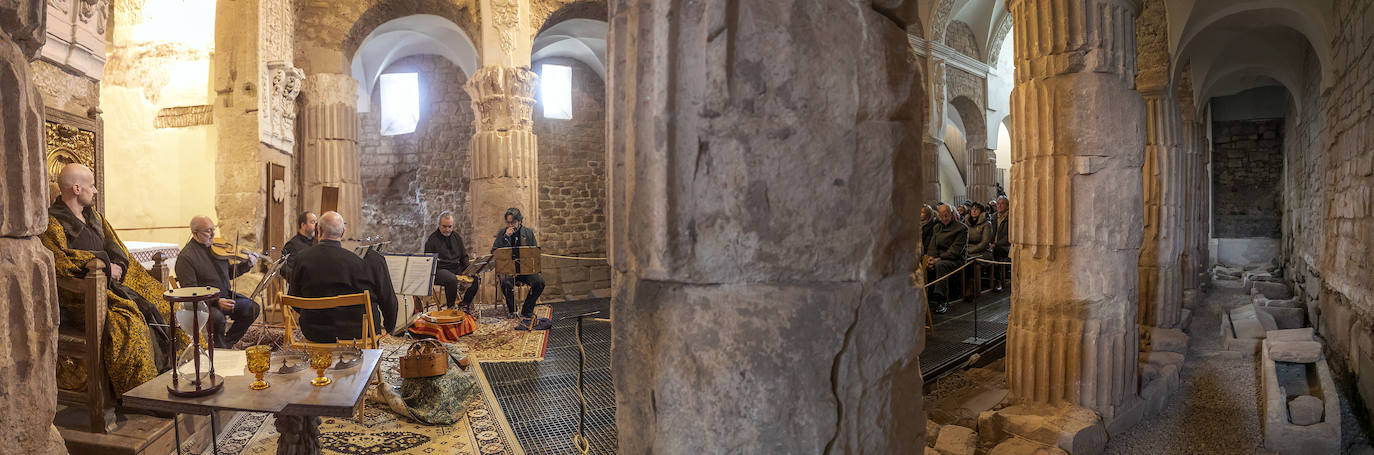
[(296, 404)]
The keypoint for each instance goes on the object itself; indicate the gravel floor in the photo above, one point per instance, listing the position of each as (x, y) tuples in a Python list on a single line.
[(1217, 409)]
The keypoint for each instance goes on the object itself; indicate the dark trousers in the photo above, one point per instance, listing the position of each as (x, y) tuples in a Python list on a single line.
[(449, 281), (244, 313), (536, 284), (942, 268)]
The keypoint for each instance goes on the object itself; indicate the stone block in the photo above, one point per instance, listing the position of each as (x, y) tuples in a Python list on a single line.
[(1305, 410), (1286, 318), (1272, 291), (24, 197), (1303, 334), (573, 273), (1018, 446), (1170, 340), (932, 451), (1295, 351), (956, 440), (932, 430), (1163, 358), (1071, 428)]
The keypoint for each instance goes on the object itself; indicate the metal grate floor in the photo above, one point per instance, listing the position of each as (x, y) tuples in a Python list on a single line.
[(540, 398), (947, 345)]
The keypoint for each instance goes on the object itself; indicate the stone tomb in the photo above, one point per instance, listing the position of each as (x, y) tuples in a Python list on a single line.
[(1302, 413)]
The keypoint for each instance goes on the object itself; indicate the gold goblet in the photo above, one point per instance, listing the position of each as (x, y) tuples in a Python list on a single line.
[(320, 359), (259, 360)]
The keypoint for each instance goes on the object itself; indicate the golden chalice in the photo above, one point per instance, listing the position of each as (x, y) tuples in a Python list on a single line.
[(259, 360), (320, 359)]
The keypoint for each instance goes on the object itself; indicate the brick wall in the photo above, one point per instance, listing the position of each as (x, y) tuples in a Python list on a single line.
[(1247, 167), (960, 37), (409, 179), (572, 186)]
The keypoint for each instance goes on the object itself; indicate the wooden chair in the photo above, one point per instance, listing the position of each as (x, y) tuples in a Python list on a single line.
[(369, 338), (98, 397)]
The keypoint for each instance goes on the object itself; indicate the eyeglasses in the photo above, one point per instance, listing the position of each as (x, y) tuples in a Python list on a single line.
[(512, 222)]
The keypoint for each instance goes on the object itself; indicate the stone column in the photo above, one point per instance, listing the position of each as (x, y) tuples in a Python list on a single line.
[(982, 175), (505, 152), (330, 131), (1161, 287), (1078, 146), (815, 330), (28, 323)]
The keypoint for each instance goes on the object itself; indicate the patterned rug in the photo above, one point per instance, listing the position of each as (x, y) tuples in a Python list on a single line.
[(378, 431), (496, 340)]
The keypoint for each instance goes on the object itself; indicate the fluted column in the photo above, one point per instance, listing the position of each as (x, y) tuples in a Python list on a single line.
[(505, 152), (330, 130), (1192, 169), (1078, 144), (934, 139), (982, 173), (1161, 286)]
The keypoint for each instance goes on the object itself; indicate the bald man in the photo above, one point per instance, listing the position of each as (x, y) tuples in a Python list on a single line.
[(946, 252), (198, 266), (327, 270), (77, 234)]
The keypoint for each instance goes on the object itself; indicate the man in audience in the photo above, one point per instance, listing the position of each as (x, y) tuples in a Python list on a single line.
[(328, 270), (453, 258), (197, 265), (135, 328), (946, 251)]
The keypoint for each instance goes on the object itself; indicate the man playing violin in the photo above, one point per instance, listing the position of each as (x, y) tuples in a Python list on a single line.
[(198, 265)]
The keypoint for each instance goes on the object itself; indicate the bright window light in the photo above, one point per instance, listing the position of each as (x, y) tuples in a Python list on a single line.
[(400, 103), (555, 90)]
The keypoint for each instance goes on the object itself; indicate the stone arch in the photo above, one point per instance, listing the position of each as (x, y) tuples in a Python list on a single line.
[(999, 35), (1304, 18), (548, 13), (381, 12), (939, 20), (406, 36), (980, 164), (583, 40)]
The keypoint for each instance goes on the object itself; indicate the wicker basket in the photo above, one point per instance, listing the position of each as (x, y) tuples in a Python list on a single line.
[(424, 359)]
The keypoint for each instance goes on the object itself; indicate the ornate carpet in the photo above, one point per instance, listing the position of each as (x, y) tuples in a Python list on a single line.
[(378, 431), (496, 340)]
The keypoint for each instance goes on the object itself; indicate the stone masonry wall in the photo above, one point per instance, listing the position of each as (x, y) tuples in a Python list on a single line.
[(409, 179), (1329, 214), (572, 186), (960, 37), (1247, 170)]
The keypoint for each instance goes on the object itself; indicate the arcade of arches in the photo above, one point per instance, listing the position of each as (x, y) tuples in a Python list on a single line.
[(1191, 183)]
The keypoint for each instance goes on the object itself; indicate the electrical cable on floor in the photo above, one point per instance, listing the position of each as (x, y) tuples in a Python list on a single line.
[(580, 441)]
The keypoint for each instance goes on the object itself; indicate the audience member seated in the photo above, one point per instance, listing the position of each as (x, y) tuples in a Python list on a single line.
[(979, 232), (136, 332), (453, 258), (197, 265), (328, 270), (1001, 244), (946, 251)]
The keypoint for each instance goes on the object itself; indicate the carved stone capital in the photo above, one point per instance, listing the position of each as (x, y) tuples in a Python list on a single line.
[(503, 98)]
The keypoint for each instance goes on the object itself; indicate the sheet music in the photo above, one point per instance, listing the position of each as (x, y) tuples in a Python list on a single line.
[(411, 274)]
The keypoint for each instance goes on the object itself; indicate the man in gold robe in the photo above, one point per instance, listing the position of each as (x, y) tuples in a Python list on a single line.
[(136, 336)]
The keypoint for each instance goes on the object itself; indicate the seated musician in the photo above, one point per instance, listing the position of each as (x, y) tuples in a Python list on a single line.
[(945, 253), (386, 294), (516, 234), (135, 321), (304, 238), (453, 258), (197, 265), (328, 270)]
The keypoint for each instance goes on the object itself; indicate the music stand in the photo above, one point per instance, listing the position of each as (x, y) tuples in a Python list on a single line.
[(523, 260)]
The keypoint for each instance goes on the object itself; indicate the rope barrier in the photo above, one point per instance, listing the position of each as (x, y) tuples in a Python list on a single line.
[(966, 264), (572, 257)]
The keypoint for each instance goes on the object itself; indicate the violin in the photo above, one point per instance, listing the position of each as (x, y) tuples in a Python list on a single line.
[(224, 250)]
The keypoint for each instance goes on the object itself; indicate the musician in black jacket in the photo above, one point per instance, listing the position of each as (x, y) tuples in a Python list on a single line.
[(198, 266), (304, 238), (453, 258), (516, 234), (328, 270)]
